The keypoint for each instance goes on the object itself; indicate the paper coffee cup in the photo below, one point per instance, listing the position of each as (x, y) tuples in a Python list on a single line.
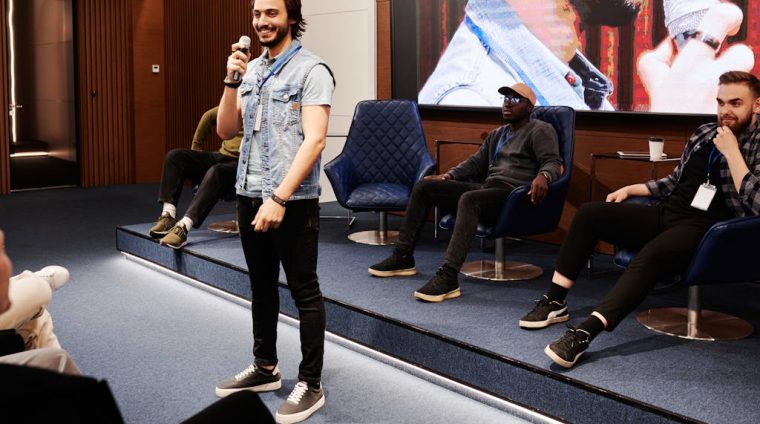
[(656, 145)]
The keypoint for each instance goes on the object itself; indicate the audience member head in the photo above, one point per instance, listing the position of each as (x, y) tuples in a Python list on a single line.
[(738, 100), (288, 19), (519, 101), (5, 275)]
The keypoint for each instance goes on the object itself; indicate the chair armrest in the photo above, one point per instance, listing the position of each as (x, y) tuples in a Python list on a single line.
[(520, 217), (426, 167), (727, 253), (342, 175)]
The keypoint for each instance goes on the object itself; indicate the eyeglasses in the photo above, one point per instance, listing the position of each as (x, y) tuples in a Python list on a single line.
[(512, 100)]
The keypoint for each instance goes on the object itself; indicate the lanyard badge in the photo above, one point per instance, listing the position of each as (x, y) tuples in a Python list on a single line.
[(706, 191)]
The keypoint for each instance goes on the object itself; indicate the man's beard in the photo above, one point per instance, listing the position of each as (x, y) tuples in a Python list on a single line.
[(612, 13), (740, 123), (279, 35)]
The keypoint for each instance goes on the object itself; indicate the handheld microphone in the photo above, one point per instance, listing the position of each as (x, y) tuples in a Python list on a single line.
[(682, 17), (245, 44)]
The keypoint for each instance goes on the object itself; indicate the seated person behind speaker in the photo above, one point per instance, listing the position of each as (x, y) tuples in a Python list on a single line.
[(522, 152), (718, 178), (214, 171)]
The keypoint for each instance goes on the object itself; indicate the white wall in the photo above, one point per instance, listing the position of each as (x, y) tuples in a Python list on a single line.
[(342, 32)]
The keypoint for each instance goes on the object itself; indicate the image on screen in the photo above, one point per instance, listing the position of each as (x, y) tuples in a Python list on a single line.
[(660, 56)]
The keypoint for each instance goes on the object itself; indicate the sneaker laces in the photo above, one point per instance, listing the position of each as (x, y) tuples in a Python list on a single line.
[(179, 230), (298, 391), (246, 372), (572, 337)]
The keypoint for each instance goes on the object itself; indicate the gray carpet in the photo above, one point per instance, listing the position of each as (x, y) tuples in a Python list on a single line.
[(163, 345)]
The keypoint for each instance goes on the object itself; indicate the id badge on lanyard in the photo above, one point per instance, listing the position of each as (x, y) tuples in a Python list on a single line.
[(706, 192)]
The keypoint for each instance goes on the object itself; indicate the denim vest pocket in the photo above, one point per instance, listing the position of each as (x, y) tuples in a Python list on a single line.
[(285, 107)]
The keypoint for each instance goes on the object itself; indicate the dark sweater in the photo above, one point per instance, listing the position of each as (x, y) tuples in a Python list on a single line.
[(527, 151)]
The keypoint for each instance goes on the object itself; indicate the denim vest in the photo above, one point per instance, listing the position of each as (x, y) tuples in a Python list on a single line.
[(493, 48), (281, 132)]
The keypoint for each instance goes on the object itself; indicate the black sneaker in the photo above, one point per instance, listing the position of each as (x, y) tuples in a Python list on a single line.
[(545, 313), (302, 402), (442, 286), (251, 378), (567, 349), (395, 264)]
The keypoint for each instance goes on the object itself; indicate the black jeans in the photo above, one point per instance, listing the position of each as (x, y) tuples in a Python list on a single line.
[(213, 171), (471, 201), (667, 242), (294, 244)]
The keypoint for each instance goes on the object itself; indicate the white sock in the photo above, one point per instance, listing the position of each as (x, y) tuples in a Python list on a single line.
[(170, 209), (187, 222)]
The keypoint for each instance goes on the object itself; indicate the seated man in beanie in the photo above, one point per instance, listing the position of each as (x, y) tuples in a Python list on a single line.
[(521, 152)]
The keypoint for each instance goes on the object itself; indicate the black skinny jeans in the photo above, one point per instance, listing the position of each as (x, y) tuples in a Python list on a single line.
[(471, 201), (667, 242), (294, 244), (213, 171)]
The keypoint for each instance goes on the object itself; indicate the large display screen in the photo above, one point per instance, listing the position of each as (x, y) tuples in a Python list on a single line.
[(628, 55)]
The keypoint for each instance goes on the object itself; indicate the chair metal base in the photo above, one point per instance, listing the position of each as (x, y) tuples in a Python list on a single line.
[(508, 271), (227, 227), (377, 238), (711, 325)]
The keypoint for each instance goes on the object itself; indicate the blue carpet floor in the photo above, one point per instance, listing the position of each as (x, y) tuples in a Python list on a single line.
[(706, 381), (163, 345)]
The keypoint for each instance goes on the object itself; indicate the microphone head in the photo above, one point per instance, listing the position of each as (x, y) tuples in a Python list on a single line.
[(245, 42), (685, 15)]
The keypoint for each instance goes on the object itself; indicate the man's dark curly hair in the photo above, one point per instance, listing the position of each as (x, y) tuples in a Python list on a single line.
[(293, 7), (612, 13)]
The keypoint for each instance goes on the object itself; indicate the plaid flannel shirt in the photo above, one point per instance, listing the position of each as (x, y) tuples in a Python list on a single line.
[(744, 202)]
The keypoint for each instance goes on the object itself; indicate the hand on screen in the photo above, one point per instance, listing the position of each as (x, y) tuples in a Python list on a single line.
[(687, 80)]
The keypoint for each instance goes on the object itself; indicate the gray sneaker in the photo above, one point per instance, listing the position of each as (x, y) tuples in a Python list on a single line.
[(163, 225), (251, 378), (302, 402)]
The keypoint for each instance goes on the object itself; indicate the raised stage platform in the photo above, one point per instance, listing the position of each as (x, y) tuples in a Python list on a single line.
[(629, 375)]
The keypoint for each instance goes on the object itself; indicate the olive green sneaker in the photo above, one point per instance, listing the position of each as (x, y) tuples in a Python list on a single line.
[(176, 238), (163, 225)]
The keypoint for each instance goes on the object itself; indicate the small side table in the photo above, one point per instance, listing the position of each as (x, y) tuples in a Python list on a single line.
[(654, 166)]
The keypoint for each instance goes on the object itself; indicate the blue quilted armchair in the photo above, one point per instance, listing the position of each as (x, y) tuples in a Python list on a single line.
[(519, 217), (384, 156), (726, 254)]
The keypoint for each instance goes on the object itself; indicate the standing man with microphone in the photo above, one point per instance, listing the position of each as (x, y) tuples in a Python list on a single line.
[(283, 103)]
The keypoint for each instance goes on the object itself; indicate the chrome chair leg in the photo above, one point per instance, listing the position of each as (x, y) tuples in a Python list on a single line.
[(693, 323), (380, 237), (501, 269)]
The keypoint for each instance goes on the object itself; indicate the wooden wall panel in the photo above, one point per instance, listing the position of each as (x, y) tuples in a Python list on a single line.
[(149, 89), (198, 38), (383, 16), (5, 166), (104, 56)]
